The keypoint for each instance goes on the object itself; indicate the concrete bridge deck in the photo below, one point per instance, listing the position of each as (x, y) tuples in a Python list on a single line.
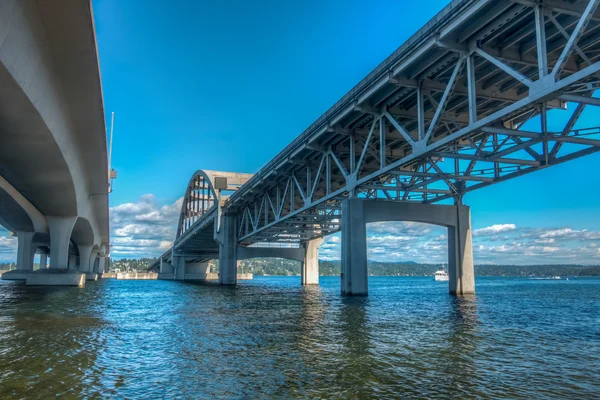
[(442, 116)]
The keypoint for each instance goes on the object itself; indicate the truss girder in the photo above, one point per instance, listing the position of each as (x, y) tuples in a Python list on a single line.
[(441, 117)]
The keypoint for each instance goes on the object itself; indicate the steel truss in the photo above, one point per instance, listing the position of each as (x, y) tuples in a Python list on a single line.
[(443, 116), (199, 198)]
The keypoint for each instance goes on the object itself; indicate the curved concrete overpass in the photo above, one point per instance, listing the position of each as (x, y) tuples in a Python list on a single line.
[(53, 169)]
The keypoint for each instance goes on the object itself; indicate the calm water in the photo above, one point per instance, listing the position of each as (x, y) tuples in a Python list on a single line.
[(270, 338)]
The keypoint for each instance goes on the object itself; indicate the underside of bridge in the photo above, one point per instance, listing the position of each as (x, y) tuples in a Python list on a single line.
[(53, 157), (467, 102)]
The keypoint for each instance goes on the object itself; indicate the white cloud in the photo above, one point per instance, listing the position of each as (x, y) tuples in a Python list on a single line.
[(8, 248), (143, 228), (568, 233), (495, 244), (494, 229)]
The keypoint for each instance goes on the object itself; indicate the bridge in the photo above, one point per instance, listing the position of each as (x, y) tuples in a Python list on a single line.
[(464, 104), (53, 157)]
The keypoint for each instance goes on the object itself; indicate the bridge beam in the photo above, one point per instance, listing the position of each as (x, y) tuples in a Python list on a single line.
[(358, 212)]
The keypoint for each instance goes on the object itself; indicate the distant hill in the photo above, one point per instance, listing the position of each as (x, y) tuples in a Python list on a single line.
[(283, 267), (410, 268)]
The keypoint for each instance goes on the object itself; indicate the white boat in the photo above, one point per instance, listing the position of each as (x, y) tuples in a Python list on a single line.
[(441, 275)]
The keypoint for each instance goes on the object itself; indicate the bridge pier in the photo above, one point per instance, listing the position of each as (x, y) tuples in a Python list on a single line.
[(199, 271), (58, 274), (165, 270), (43, 261), (60, 239), (101, 264), (25, 253), (354, 274), (309, 274), (85, 262), (461, 269), (178, 268), (228, 251), (357, 212)]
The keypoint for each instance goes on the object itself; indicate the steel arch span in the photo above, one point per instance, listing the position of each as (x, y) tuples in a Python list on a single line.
[(204, 191)]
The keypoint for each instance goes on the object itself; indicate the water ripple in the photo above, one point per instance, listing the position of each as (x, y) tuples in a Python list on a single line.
[(271, 338)]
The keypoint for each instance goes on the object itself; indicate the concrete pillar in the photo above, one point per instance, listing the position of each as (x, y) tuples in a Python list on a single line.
[(25, 251), (72, 261), (43, 261), (197, 271), (60, 238), (85, 252), (92, 261), (101, 264), (179, 267), (228, 251), (461, 272), (165, 267), (309, 273), (197, 268), (354, 274)]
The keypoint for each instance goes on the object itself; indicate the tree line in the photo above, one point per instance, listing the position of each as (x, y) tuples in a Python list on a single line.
[(283, 267)]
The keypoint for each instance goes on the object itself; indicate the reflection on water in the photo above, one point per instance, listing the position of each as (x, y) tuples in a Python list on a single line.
[(271, 338)]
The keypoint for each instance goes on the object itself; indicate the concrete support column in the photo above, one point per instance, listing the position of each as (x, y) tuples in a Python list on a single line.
[(60, 238), (197, 271), (179, 267), (92, 262), (310, 267), (198, 268), (43, 261), (25, 251), (461, 272), (72, 261), (85, 252), (228, 251), (354, 272), (165, 267), (101, 264)]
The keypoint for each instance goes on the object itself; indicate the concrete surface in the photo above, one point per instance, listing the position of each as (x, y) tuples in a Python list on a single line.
[(90, 276), (15, 275), (359, 212), (55, 277)]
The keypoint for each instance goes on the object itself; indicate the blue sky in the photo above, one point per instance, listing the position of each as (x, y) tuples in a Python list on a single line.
[(226, 85)]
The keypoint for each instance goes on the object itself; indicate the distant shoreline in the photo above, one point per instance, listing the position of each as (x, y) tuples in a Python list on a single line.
[(546, 277)]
